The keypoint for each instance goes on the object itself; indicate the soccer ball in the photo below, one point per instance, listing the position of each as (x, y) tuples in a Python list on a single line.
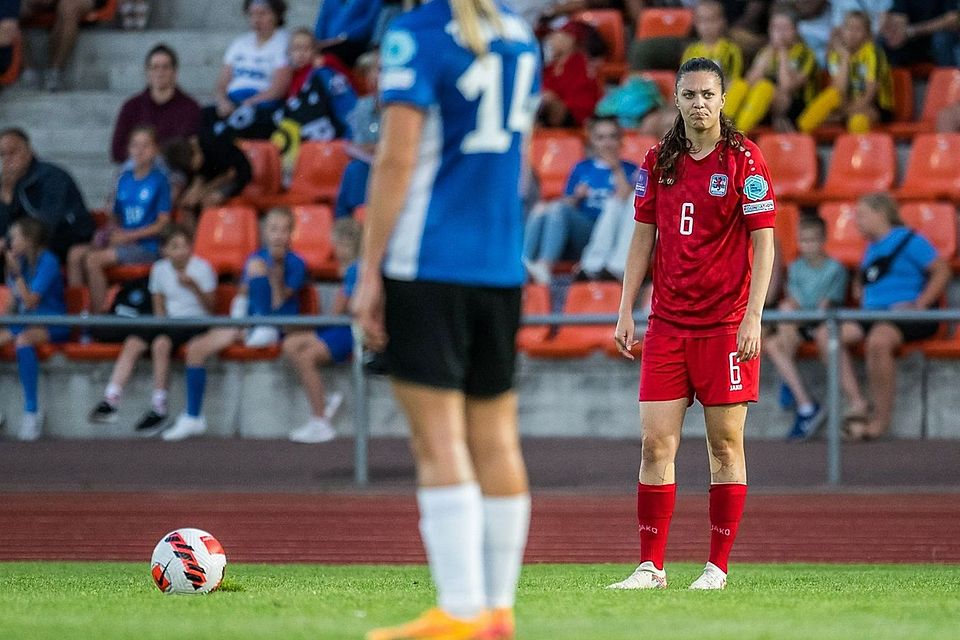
[(188, 561)]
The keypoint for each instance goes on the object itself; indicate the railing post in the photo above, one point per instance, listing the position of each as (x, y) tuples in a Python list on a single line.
[(833, 399), (361, 429)]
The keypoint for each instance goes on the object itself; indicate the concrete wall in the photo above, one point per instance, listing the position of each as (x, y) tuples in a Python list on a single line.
[(590, 397)]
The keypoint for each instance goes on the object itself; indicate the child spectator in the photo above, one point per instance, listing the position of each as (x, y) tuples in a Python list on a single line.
[(162, 105), (142, 209), (308, 350), (814, 281), (300, 53), (570, 90), (563, 228), (182, 286), (33, 275), (272, 279), (710, 21), (861, 86), (215, 170), (782, 78)]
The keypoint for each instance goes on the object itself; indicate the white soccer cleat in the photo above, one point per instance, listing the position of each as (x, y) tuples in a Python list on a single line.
[(30, 427), (185, 427), (315, 431), (712, 579), (646, 576), (260, 337)]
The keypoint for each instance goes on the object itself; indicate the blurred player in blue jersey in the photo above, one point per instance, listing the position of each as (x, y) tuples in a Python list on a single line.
[(440, 288)]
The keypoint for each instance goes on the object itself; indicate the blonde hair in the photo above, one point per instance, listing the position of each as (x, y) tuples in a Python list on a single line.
[(469, 15), (884, 203)]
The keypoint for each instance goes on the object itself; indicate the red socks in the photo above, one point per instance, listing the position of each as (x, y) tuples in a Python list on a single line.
[(726, 509), (654, 509)]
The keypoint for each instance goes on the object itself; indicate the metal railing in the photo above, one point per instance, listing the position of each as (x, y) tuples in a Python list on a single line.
[(831, 317)]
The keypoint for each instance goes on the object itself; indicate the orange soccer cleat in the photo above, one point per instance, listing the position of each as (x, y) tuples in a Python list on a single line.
[(436, 624), (500, 625)]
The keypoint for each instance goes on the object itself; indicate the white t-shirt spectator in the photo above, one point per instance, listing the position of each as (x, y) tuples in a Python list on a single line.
[(253, 66), (180, 301)]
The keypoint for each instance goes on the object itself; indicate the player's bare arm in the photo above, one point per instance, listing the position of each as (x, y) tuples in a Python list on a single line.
[(748, 336), (638, 262)]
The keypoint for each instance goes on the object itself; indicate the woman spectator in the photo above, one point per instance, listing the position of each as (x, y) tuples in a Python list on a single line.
[(570, 90), (256, 72), (900, 271), (215, 170), (170, 112)]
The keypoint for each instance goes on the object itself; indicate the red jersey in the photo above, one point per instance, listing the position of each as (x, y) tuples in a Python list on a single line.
[(703, 255)]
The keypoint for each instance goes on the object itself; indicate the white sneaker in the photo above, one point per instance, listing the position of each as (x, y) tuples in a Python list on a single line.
[(185, 427), (539, 271), (316, 430), (712, 578), (646, 576), (239, 306), (30, 427), (334, 400), (259, 337)]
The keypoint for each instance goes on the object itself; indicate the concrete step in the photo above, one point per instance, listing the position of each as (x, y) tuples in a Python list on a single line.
[(222, 16)]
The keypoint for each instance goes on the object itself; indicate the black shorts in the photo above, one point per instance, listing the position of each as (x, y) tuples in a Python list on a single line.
[(912, 331), (9, 9), (452, 336), (178, 337)]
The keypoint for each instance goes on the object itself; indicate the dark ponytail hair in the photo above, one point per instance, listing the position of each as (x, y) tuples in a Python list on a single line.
[(675, 142)]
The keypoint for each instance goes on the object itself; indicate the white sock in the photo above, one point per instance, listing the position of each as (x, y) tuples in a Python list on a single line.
[(506, 521), (451, 525), (806, 409), (112, 394), (159, 401)]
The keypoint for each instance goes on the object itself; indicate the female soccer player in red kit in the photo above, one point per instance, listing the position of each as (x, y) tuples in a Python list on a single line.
[(705, 214)]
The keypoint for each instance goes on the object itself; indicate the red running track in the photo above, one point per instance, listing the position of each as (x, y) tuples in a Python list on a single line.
[(340, 528)]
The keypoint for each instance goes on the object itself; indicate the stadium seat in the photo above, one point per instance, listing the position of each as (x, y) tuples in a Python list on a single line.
[(127, 272), (576, 341), (16, 62), (106, 13), (313, 240), (635, 147), (935, 221), (536, 301), (666, 82), (664, 22), (609, 24), (844, 242), (792, 161), (902, 95), (6, 297), (264, 159), (788, 218), (943, 89), (553, 155), (225, 237), (316, 175), (78, 299), (860, 164), (932, 170)]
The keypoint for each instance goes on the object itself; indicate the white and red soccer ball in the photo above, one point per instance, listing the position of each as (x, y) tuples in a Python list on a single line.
[(188, 561)]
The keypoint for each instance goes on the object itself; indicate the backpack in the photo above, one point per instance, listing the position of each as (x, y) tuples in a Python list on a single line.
[(133, 301), (630, 101)]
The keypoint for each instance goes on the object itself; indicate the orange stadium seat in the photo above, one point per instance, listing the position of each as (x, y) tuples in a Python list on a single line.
[(635, 146), (664, 22), (6, 298), (313, 240), (78, 299), (106, 13), (665, 80), (902, 95), (264, 159), (792, 161), (536, 301), (316, 175), (553, 155), (16, 62), (844, 241), (576, 341), (859, 164), (787, 221), (943, 89), (609, 23), (127, 272), (935, 221), (225, 237), (932, 169)]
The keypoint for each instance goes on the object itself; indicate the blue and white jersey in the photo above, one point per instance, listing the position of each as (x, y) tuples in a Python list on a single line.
[(140, 202), (598, 177), (462, 220)]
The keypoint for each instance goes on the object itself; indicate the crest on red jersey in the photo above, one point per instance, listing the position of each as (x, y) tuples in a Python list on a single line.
[(718, 184)]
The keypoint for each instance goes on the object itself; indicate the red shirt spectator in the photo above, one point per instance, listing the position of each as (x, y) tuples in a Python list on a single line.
[(570, 90)]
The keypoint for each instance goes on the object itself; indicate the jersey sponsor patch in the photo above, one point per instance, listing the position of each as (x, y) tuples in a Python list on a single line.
[(397, 79), (643, 178), (755, 187), (757, 207), (398, 48), (718, 184)]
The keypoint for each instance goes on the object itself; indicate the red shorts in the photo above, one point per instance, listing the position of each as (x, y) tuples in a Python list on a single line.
[(706, 368)]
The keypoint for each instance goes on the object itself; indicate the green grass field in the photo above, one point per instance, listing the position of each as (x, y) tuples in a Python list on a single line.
[(107, 601)]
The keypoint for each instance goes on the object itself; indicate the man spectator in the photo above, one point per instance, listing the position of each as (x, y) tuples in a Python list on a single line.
[(68, 15), (31, 187), (922, 31), (163, 106)]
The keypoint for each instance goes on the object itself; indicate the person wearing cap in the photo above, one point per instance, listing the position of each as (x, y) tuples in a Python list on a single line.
[(570, 89)]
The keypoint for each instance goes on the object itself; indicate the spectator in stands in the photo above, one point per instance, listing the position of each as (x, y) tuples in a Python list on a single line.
[(815, 26), (33, 275), (570, 90), (141, 210), (814, 281), (365, 125), (215, 170), (345, 27), (308, 350), (562, 229), (900, 271), (32, 188), (300, 54), (861, 85), (916, 31), (256, 72), (162, 106), (272, 279), (9, 31), (182, 286), (782, 77), (68, 16)]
